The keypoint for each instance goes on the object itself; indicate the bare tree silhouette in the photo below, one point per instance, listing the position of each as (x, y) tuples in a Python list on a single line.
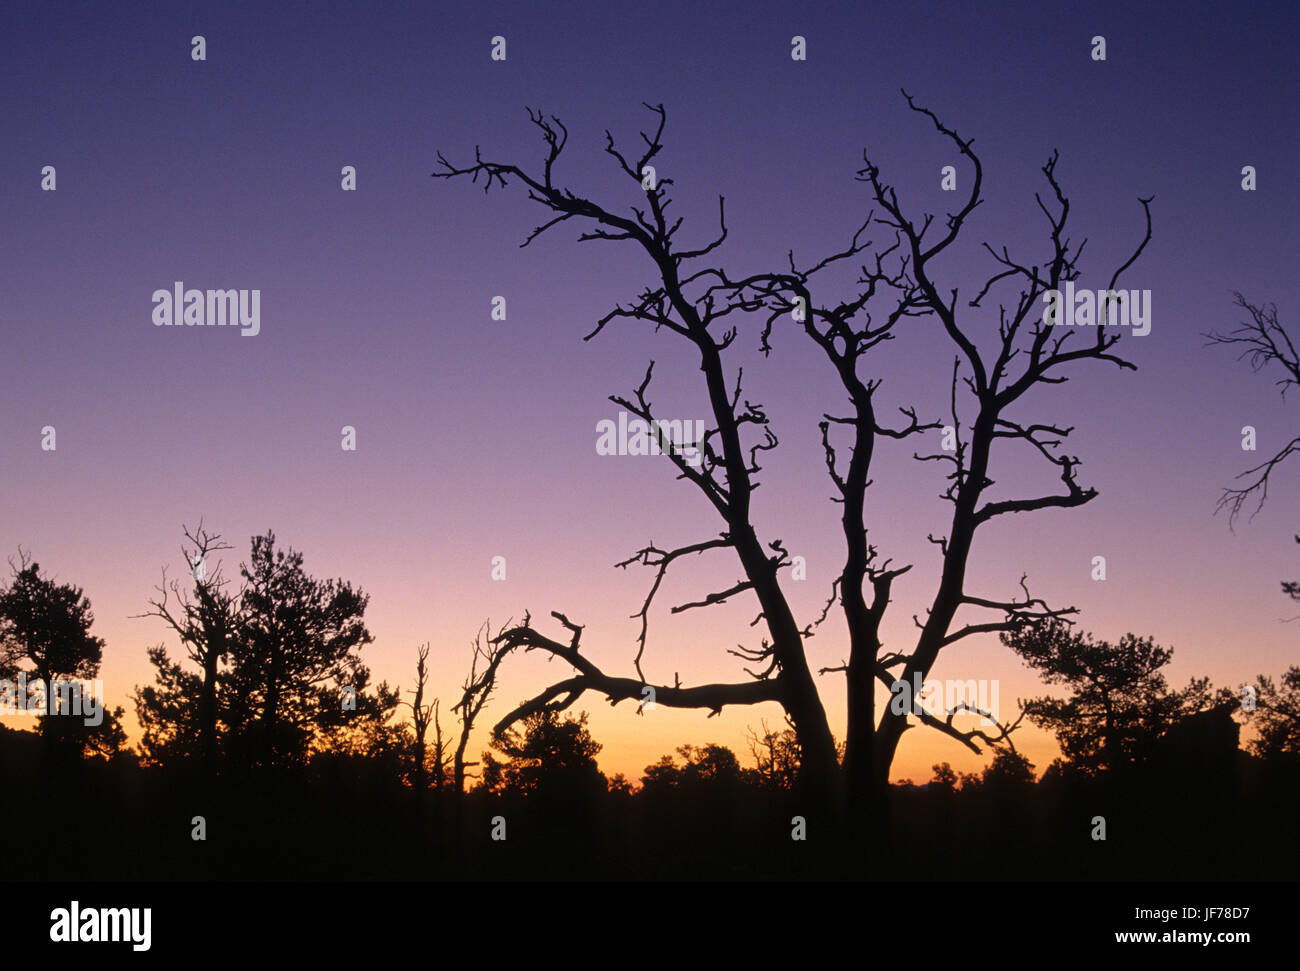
[(485, 658), (692, 301), (1264, 344), (422, 715)]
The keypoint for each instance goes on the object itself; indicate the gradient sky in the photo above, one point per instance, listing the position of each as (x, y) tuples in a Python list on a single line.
[(476, 437)]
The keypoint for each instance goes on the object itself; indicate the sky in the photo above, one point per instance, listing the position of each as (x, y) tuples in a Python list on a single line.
[(475, 437)]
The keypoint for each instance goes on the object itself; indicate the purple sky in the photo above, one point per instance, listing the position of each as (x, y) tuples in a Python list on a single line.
[(476, 437)]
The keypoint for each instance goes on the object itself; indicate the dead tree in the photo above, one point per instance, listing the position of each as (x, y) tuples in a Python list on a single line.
[(1027, 353), (693, 302), (485, 658), (205, 623), (421, 716), (1263, 344), (442, 768)]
